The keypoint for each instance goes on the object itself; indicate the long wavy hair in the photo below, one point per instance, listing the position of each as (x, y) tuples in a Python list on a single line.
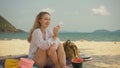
[(36, 24)]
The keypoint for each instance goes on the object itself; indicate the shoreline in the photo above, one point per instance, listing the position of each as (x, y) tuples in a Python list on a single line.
[(81, 40)]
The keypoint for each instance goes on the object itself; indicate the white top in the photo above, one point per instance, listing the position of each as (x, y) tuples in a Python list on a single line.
[(38, 41)]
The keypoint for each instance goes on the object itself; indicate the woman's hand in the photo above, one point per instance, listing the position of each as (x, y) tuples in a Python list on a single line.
[(56, 31)]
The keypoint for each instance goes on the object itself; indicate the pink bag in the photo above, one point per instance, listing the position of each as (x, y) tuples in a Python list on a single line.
[(25, 63)]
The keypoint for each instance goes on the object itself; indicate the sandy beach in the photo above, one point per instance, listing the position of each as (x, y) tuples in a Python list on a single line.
[(104, 54)]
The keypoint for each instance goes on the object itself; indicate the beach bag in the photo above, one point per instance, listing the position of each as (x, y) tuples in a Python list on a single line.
[(70, 49), (26, 63), (11, 63)]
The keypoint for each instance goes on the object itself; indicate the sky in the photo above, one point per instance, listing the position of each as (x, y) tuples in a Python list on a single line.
[(72, 15)]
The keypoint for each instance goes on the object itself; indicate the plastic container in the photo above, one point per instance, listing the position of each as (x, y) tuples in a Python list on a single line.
[(26, 63)]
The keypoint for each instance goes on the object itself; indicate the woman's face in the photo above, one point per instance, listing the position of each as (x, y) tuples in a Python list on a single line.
[(45, 21)]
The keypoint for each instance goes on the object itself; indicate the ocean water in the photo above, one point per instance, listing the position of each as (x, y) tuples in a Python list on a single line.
[(74, 36), (91, 36)]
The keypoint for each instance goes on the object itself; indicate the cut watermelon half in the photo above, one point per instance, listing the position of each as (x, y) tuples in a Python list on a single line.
[(77, 60)]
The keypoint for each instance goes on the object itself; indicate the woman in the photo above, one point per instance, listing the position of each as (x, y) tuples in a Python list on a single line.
[(45, 44)]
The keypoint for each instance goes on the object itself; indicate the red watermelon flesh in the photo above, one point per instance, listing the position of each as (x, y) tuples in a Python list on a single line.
[(77, 60)]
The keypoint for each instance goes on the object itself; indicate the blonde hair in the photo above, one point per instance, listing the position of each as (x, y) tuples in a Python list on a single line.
[(36, 24)]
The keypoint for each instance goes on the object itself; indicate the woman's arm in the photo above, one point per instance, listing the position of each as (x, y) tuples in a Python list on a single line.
[(56, 32), (54, 36)]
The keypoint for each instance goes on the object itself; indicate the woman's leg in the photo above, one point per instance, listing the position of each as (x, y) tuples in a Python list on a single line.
[(40, 58), (53, 56), (61, 56)]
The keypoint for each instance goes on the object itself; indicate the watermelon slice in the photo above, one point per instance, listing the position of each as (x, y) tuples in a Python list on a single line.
[(77, 60)]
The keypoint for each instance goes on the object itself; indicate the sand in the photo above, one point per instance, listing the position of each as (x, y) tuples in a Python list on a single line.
[(104, 54), (13, 47)]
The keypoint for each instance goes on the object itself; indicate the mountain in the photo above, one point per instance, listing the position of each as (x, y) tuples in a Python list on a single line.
[(6, 26), (117, 31), (106, 31), (101, 31)]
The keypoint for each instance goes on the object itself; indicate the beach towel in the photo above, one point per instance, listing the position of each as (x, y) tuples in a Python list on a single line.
[(11, 63)]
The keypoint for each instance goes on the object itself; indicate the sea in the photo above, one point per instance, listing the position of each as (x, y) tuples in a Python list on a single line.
[(73, 36)]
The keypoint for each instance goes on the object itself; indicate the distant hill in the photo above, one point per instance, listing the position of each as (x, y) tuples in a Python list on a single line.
[(106, 31), (118, 31), (6, 26), (101, 31)]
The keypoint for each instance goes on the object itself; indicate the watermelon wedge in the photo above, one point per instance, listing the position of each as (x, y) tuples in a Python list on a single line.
[(77, 60)]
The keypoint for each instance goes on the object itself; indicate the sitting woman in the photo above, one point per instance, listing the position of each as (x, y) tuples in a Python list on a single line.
[(45, 45)]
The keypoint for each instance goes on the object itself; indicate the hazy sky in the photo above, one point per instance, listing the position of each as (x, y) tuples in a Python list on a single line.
[(75, 15)]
